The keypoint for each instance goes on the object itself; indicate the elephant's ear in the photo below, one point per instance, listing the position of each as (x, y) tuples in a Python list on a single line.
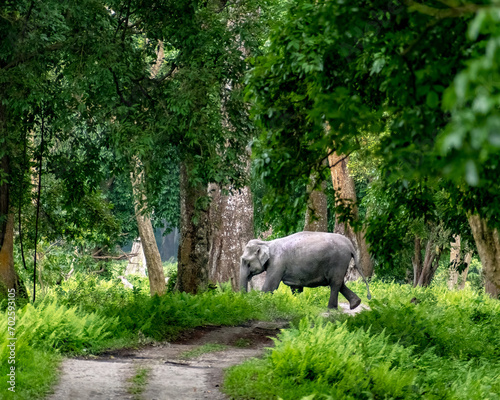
[(263, 254)]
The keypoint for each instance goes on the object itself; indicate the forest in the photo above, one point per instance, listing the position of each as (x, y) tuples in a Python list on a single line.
[(145, 143)]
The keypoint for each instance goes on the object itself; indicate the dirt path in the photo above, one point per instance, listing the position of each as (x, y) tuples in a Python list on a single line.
[(169, 375)]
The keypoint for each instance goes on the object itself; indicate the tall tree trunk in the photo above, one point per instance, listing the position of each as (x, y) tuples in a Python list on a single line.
[(488, 246), (455, 261), (457, 279), (146, 232), (194, 244), (231, 220), (424, 270), (9, 279), (430, 265), (316, 219), (345, 193), (8, 275)]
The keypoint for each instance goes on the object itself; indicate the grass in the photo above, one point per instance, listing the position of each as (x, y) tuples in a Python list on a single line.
[(204, 349), (443, 346), (242, 343), (138, 381), (86, 315)]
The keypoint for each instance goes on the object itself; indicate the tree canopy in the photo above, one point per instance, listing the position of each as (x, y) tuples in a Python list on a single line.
[(421, 77)]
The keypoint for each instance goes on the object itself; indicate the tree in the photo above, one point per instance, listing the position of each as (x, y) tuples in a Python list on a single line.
[(345, 195), (39, 48), (146, 233), (409, 73), (192, 260), (459, 263), (231, 219), (316, 218)]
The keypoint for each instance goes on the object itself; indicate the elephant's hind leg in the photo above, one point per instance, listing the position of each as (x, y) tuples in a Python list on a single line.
[(334, 296), (351, 297)]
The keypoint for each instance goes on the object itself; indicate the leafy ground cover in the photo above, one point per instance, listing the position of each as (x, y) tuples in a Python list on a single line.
[(88, 314), (414, 344)]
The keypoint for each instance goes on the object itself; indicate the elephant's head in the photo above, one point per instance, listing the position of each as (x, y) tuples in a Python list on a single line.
[(253, 261)]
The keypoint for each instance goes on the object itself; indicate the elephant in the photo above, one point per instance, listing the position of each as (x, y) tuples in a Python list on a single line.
[(304, 259)]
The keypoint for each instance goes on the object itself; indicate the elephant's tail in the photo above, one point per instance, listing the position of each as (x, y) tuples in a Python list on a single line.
[(358, 267)]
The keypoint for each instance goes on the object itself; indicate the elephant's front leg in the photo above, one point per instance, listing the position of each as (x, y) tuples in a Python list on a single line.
[(351, 297), (273, 280), (334, 295)]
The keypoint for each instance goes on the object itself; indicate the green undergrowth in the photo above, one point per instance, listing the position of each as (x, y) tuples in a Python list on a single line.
[(413, 344), (87, 315)]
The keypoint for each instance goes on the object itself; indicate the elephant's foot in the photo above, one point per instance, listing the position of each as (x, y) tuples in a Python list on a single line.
[(354, 303)]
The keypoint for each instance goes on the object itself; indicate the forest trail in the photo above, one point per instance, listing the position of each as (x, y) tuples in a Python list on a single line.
[(170, 375)]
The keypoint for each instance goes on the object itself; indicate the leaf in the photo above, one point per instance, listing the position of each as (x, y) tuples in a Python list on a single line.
[(432, 99), (476, 25), (377, 66)]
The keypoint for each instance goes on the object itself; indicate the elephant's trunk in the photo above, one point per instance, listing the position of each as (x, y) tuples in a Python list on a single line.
[(244, 279)]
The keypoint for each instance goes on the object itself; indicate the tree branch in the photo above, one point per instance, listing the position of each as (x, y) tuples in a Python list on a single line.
[(168, 74), (118, 90)]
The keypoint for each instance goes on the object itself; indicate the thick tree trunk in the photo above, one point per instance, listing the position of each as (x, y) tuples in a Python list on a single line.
[(316, 219), (424, 270), (345, 193), (8, 275), (146, 232), (491, 289), (194, 244), (488, 246), (231, 220), (457, 279), (136, 264)]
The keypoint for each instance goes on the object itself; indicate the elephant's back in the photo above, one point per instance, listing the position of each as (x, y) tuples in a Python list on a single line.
[(320, 243)]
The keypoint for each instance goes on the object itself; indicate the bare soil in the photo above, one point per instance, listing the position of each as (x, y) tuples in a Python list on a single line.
[(171, 376)]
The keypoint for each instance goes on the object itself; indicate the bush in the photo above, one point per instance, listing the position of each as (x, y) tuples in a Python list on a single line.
[(42, 333), (441, 345)]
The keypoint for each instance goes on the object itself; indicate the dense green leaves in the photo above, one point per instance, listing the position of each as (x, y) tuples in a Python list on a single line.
[(419, 77), (440, 345), (107, 83)]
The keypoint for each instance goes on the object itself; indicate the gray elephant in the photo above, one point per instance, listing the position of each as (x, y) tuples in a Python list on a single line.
[(304, 259)]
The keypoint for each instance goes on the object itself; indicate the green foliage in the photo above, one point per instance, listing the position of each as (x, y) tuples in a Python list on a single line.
[(42, 333), (164, 317), (53, 327), (138, 382), (443, 346), (36, 371), (433, 317), (87, 95), (410, 87)]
